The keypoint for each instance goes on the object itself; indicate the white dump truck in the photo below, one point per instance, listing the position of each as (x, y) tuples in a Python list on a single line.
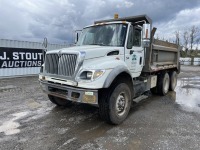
[(113, 62)]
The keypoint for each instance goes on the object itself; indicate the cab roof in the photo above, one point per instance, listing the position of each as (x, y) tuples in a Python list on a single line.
[(129, 19)]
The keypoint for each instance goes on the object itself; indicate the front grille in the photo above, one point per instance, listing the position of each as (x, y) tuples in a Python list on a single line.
[(64, 65)]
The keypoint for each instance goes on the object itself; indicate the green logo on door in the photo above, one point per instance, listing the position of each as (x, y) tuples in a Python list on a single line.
[(134, 57)]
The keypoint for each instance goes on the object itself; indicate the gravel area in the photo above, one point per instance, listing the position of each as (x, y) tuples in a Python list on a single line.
[(28, 120)]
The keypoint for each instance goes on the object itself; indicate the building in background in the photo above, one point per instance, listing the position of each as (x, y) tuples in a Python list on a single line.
[(18, 58)]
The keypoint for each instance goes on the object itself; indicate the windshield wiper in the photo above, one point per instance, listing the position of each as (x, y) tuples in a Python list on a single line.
[(101, 44)]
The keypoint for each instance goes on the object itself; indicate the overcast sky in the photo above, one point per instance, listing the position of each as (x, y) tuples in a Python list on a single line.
[(32, 20)]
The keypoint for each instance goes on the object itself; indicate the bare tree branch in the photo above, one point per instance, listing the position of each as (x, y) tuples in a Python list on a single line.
[(177, 34), (186, 39), (193, 35)]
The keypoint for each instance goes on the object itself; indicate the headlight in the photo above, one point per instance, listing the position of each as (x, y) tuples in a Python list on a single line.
[(90, 75), (86, 75), (98, 73)]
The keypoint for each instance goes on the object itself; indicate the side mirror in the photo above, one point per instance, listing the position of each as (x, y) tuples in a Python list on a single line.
[(146, 35), (45, 42), (76, 39), (77, 32)]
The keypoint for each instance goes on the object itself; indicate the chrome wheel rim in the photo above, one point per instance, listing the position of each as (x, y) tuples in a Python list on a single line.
[(121, 104), (166, 85)]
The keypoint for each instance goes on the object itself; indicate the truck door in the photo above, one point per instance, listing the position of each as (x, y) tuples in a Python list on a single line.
[(134, 53)]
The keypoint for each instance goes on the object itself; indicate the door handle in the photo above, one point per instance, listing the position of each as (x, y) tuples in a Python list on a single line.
[(131, 52)]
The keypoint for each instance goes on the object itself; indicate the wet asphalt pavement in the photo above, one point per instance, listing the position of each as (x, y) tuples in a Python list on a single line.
[(28, 120)]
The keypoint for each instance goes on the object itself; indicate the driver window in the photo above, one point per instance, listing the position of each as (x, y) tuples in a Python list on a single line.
[(137, 37), (130, 38)]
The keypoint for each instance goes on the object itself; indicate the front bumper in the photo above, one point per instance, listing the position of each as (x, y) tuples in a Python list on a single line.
[(70, 93)]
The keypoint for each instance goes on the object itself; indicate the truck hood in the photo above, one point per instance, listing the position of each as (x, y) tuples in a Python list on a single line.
[(92, 51)]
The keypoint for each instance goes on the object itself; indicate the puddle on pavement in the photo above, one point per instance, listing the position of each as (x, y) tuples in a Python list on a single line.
[(11, 127), (188, 94)]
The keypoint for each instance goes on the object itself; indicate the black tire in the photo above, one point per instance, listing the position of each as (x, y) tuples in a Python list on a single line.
[(115, 103), (173, 80), (59, 101), (163, 84)]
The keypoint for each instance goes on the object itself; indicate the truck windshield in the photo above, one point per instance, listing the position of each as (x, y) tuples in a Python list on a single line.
[(104, 35)]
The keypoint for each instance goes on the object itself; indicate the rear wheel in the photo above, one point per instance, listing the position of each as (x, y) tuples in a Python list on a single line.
[(173, 80), (59, 101), (163, 84), (114, 104)]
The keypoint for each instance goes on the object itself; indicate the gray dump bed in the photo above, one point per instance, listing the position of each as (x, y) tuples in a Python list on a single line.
[(161, 55)]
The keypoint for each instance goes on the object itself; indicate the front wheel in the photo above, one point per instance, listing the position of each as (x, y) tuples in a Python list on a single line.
[(114, 107)]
